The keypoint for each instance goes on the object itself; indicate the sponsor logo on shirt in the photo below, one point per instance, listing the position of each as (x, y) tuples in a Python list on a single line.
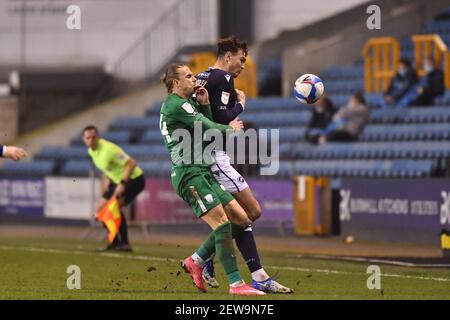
[(122, 156), (187, 107), (225, 97), (228, 77)]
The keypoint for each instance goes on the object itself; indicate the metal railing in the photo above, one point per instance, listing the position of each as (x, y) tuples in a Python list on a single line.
[(381, 56), (186, 23)]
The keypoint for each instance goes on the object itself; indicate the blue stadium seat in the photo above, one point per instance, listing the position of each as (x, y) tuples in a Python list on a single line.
[(277, 119), (62, 153), (35, 168), (271, 104), (152, 136), (154, 109), (144, 152), (156, 168), (77, 168), (373, 168), (135, 123), (118, 137)]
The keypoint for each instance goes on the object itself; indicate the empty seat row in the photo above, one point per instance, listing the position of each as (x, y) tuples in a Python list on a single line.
[(84, 167), (375, 168), (34, 168), (140, 152), (135, 123), (342, 72), (403, 132), (118, 137), (339, 86), (360, 150)]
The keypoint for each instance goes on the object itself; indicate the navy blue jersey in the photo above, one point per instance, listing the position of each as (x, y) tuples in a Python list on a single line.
[(222, 95), (1, 150)]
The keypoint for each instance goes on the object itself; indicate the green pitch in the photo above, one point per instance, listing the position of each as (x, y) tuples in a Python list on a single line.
[(37, 269)]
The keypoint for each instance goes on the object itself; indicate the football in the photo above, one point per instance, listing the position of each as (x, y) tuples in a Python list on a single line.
[(308, 88)]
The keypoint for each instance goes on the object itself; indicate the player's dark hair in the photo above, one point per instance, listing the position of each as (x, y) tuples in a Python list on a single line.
[(231, 44), (170, 75), (359, 97), (90, 127)]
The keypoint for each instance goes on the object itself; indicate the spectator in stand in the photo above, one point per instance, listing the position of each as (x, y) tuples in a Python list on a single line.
[(405, 79), (348, 122), (322, 116), (428, 88)]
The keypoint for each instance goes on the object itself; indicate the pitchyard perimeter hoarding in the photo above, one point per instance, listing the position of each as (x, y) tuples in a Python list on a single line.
[(22, 196), (159, 203), (410, 210)]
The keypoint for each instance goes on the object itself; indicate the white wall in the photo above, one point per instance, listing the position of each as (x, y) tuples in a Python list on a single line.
[(107, 29), (274, 16)]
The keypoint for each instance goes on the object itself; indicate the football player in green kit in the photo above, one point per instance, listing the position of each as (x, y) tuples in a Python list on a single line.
[(193, 180)]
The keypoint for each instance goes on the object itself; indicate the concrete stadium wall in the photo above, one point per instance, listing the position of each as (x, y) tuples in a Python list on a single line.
[(9, 119), (39, 36), (274, 16), (47, 96)]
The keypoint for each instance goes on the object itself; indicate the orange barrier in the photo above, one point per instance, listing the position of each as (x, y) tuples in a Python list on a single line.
[(431, 45), (312, 206), (381, 57)]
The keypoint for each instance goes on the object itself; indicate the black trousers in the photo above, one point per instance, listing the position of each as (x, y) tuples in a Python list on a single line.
[(132, 189)]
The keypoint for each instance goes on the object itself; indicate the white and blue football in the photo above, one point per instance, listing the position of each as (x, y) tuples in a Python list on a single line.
[(308, 88)]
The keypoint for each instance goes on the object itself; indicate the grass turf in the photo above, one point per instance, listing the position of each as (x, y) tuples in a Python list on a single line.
[(36, 269)]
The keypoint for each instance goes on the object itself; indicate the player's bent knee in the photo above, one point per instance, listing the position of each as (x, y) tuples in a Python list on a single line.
[(215, 217), (237, 214)]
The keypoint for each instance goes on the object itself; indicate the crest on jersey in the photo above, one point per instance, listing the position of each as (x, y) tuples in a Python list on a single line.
[(225, 97), (187, 107)]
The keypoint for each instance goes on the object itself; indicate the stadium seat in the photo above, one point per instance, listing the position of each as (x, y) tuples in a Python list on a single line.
[(151, 136), (77, 168), (62, 153), (156, 168), (118, 137), (35, 168), (135, 123)]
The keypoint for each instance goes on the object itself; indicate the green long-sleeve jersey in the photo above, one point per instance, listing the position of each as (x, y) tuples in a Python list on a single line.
[(178, 113)]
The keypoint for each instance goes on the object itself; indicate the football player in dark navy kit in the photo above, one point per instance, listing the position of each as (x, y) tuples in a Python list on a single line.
[(226, 104)]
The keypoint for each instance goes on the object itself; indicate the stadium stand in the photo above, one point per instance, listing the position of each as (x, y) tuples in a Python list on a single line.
[(410, 142)]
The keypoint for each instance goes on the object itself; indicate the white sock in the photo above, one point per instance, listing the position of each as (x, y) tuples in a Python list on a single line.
[(260, 275), (197, 259), (237, 283)]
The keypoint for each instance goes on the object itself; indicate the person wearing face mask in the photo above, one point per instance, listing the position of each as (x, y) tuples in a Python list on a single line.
[(429, 87), (348, 122), (405, 79), (322, 115)]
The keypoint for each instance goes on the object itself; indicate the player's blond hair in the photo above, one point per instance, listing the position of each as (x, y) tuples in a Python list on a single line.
[(172, 73)]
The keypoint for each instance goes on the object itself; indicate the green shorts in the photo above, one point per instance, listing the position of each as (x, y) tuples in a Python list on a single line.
[(198, 188)]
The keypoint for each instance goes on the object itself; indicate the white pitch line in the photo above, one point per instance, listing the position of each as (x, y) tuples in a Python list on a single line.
[(106, 254), (148, 258), (392, 262)]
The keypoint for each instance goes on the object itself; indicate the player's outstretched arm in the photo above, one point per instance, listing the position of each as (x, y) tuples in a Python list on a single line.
[(13, 153)]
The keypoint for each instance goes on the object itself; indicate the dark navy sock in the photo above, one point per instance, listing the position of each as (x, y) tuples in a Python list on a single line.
[(247, 246)]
